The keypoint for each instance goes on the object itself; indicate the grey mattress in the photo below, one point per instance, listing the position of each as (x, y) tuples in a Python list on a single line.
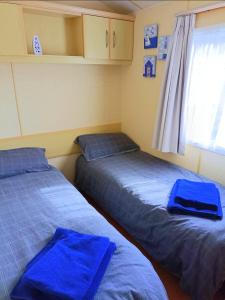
[(134, 189), (33, 205)]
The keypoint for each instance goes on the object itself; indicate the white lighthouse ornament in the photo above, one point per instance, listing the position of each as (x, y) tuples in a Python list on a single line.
[(37, 45)]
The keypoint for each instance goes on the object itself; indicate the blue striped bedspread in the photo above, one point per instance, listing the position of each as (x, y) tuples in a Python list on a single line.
[(33, 205), (134, 189)]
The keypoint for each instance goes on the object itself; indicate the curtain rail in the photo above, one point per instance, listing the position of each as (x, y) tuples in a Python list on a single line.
[(202, 9)]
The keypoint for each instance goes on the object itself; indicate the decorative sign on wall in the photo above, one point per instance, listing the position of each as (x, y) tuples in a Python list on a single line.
[(149, 66), (150, 36), (163, 47)]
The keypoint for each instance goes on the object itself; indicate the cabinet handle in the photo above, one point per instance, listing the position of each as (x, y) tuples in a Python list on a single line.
[(106, 38), (114, 39)]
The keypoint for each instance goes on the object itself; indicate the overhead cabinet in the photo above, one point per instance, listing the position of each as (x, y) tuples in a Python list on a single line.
[(96, 37), (121, 39), (64, 33), (106, 38)]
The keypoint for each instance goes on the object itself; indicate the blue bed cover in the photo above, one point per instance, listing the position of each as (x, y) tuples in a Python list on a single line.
[(33, 205), (134, 189)]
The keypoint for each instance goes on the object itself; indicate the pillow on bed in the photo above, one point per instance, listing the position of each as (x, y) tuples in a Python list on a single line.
[(94, 146), (22, 160)]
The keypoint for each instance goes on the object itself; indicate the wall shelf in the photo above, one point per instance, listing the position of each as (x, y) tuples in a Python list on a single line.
[(60, 59)]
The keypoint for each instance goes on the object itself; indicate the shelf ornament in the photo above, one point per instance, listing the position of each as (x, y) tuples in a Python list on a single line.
[(37, 45)]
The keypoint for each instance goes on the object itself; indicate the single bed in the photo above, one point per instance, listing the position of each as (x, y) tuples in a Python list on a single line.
[(33, 205), (133, 188)]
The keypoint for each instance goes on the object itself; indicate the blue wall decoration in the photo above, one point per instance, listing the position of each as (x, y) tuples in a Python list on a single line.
[(149, 66), (150, 36), (163, 47)]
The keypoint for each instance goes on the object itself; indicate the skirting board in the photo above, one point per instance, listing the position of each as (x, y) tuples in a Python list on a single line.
[(58, 143)]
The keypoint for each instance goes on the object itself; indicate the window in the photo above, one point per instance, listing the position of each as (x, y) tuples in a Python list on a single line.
[(206, 89)]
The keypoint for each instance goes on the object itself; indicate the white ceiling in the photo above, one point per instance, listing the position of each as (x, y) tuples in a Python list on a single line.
[(118, 6)]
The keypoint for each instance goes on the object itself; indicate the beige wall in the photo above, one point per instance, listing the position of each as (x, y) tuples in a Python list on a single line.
[(49, 98), (140, 96), (62, 97), (9, 120), (47, 105), (66, 164)]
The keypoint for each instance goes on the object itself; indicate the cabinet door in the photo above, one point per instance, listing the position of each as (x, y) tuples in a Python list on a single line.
[(12, 35), (96, 37), (121, 39)]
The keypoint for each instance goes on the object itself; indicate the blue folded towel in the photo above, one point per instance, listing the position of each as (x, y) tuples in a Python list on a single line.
[(70, 267), (195, 198)]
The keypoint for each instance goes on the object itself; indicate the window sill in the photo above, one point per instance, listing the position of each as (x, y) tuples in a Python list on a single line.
[(218, 150)]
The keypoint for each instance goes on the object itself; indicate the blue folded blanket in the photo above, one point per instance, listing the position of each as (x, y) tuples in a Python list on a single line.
[(70, 267), (195, 198)]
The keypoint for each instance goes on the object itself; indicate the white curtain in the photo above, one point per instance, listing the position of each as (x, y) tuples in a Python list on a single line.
[(206, 89), (169, 131)]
